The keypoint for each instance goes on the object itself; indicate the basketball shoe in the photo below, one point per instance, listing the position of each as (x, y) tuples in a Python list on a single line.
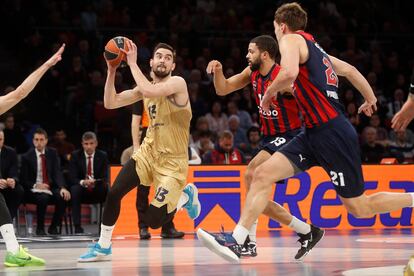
[(22, 258), (223, 244), (249, 248), (193, 205), (308, 241), (96, 253)]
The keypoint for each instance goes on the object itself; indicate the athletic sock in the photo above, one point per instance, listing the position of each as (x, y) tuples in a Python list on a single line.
[(240, 234), (9, 237), (299, 226), (252, 232), (106, 236)]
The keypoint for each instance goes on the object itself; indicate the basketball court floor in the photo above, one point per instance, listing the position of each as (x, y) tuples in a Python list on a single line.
[(350, 253)]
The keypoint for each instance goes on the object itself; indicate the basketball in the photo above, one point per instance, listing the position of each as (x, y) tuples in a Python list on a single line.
[(112, 52)]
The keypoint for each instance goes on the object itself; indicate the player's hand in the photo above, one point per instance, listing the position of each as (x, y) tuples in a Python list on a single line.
[(3, 184), (401, 120), (368, 107), (11, 182), (56, 57), (267, 101), (65, 194), (214, 66), (132, 52)]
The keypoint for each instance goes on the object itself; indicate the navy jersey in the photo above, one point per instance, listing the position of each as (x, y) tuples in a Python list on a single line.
[(286, 116), (316, 87)]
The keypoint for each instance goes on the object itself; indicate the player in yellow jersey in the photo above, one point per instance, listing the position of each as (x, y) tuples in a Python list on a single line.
[(162, 158)]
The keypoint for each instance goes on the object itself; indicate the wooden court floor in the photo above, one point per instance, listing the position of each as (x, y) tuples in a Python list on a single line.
[(356, 253)]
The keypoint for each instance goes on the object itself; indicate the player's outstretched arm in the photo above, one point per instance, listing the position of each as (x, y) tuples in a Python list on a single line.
[(12, 98), (225, 86), (114, 100), (352, 74)]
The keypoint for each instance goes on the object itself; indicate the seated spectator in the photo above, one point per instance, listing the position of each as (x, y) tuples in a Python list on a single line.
[(217, 120), (239, 134), (201, 126), (63, 147), (371, 151), (225, 152), (13, 136), (382, 133), (253, 135), (9, 186), (204, 143), (42, 178), (396, 103), (245, 119), (88, 174), (401, 148)]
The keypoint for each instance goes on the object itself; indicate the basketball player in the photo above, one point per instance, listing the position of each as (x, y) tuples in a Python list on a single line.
[(17, 255), (329, 139), (162, 158), (278, 127), (403, 117)]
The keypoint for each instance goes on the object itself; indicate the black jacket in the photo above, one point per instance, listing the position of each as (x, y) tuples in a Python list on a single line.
[(77, 167), (8, 163)]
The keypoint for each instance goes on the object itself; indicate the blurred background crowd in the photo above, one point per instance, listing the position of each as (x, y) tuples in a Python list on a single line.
[(69, 100)]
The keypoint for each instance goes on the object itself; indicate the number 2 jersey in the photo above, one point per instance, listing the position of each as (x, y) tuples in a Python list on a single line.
[(316, 87), (286, 116)]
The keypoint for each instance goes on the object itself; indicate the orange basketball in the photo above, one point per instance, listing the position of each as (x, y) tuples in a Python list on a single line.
[(113, 54)]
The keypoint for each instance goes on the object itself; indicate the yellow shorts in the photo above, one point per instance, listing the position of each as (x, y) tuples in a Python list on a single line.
[(167, 174)]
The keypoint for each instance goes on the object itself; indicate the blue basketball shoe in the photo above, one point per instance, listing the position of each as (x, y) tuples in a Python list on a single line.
[(193, 205), (96, 253), (223, 244)]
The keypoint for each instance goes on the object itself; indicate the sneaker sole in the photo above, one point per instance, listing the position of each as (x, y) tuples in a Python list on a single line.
[(210, 242), (16, 265), (195, 199), (307, 253), (99, 258)]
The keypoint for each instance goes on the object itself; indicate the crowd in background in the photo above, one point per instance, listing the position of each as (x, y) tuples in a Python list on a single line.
[(69, 101)]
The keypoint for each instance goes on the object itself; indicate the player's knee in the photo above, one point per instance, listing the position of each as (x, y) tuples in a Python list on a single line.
[(249, 176)]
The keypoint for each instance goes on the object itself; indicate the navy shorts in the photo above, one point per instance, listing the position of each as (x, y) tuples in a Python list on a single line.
[(335, 147), (273, 143)]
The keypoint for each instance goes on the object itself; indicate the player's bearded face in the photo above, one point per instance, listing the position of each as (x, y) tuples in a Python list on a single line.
[(253, 57), (162, 63), (255, 63)]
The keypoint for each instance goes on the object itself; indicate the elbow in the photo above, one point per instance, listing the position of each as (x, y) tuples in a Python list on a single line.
[(108, 105), (220, 92), (291, 75)]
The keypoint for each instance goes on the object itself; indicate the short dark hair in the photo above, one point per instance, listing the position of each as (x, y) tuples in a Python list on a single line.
[(266, 43), (252, 129), (40, 131), (89, 135), (293, 15), (162, 45)]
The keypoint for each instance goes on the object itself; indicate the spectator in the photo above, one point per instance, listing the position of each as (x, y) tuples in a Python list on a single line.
[(240, 138), (371, 151), (397, 102), (204, 143), (225, 153), (253, 135), (382, 133), (402, 148), (9, 183), (217, 120), (13, 136), (88, 175), (63, 147), (43, 181), (245, 119)]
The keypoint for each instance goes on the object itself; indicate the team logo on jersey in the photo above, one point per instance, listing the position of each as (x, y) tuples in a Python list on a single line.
[(254, 84)]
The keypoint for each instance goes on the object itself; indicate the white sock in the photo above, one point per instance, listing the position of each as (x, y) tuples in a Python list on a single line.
[(412, 195), (299, 226), (252, 232), (9, 237), (106, 236), (240, 234), (182, 200)]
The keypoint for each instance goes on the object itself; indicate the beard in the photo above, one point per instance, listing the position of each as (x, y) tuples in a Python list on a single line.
[(255, 65), (160, 73)]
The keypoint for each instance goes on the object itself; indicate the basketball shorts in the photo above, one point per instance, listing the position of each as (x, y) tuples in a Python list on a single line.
[(333, 146), (168, 175)]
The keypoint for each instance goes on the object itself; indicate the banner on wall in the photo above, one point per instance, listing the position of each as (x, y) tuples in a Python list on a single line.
[(310, 196)]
